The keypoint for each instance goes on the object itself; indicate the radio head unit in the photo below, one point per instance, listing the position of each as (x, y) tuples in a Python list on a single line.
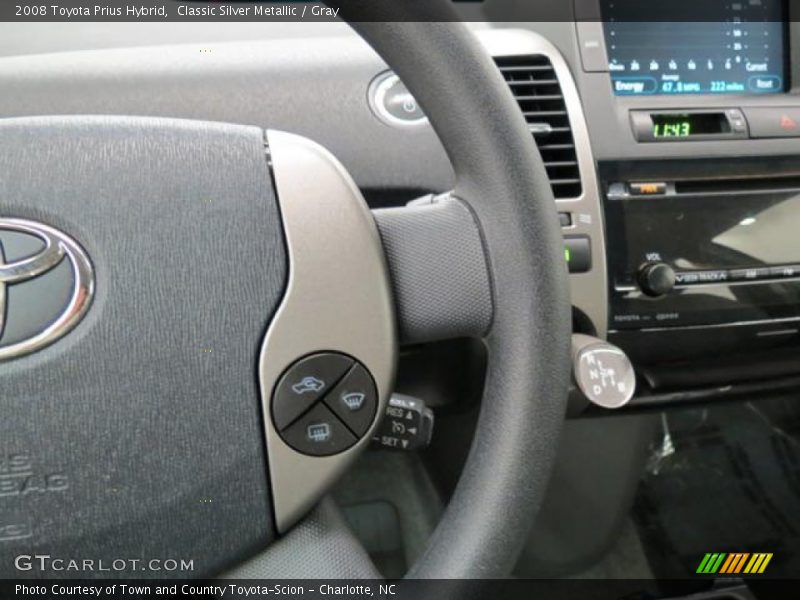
[(710, 252)]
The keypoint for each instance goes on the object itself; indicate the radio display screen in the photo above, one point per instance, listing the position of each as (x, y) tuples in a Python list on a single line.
[(725, 237), (735, 47)]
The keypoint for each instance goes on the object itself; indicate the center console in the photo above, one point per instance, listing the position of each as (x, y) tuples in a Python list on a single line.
[(695, 129)]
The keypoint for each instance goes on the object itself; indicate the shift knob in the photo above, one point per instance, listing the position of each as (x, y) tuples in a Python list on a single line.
[(602, 372)]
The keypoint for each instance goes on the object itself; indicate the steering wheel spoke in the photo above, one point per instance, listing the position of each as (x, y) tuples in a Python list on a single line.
[(333, 339), (439, 269)]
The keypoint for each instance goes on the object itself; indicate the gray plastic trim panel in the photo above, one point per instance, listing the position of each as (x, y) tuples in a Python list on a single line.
[(588, 290), (338, 298)]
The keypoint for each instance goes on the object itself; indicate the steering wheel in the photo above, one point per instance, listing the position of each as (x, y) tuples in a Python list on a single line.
[(202, 321)]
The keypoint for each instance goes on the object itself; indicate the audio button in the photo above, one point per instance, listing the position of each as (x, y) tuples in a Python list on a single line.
[(785, 272), (754, 274)]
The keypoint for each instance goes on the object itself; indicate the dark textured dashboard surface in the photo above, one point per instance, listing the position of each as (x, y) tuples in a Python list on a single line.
[(314, 87), (310, 79)]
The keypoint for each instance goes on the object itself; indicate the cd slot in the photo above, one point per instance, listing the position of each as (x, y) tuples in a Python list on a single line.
[(739, 185), (785, 183)]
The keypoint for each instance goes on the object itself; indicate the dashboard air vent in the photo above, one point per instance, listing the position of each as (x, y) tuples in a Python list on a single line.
[(535, 86)]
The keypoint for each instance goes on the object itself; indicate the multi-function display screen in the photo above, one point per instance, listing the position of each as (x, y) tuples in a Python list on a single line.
[(733, 47)]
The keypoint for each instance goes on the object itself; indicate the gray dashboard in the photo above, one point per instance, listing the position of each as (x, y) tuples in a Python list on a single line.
[(316, 87), (310, 86), (321, 66), (314, 80)]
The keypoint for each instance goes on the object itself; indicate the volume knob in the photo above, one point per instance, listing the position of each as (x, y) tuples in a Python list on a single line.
[(656, 279)]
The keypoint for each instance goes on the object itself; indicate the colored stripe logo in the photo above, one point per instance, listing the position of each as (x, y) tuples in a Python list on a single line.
[(734, 563)]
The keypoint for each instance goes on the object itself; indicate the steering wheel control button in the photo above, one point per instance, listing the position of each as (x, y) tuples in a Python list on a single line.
[(355, 400), (306, 382), (324, 403), (602, 372), (393, 103), (318, 433)]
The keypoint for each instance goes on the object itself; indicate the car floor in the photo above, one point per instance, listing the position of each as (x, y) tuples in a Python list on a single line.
[(721, 479), (625, 560), (725, 479), (392, 507)]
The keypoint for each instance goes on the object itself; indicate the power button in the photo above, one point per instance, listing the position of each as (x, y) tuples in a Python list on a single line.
[(393, 104)]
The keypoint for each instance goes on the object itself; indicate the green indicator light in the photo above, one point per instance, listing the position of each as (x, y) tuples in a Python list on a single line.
[(567, 254)]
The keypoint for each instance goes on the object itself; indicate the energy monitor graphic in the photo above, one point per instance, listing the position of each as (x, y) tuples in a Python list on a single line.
[(733, 47)]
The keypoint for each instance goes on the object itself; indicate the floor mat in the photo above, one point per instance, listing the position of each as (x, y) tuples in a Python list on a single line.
[(726, 479)]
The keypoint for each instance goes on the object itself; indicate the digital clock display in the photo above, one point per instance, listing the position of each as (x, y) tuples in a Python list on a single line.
[(689, 125), (677, 129)]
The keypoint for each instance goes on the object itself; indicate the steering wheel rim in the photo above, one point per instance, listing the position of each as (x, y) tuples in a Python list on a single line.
[(500, 178)]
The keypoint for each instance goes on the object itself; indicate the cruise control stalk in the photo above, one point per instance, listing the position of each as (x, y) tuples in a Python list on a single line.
[(407, 424)]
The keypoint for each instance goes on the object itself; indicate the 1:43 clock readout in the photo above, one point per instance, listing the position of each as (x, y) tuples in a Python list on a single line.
[(672, 129)]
